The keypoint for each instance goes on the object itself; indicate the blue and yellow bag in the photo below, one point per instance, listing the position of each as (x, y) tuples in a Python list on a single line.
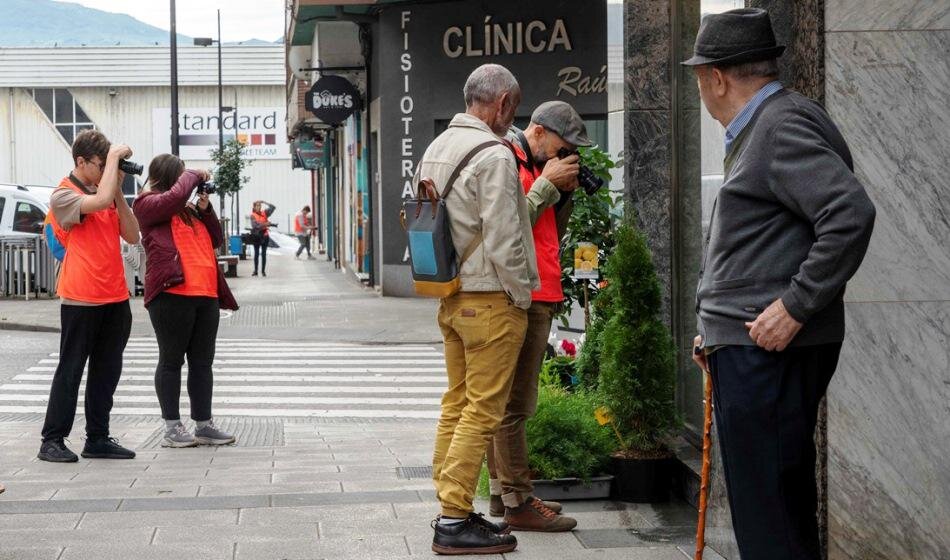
[(435, 262)]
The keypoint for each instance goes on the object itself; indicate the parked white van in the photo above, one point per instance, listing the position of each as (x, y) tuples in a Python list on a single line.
[(22, 211)]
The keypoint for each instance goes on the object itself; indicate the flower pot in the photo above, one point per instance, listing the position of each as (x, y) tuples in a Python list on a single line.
[(561, 489), (641, 480)]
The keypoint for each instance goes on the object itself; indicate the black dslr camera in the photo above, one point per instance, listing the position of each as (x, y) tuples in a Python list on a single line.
[(130, 167), (585, 177), (207, 187)]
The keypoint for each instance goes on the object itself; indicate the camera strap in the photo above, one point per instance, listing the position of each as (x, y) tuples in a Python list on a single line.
[(75, 180), (526, 149)]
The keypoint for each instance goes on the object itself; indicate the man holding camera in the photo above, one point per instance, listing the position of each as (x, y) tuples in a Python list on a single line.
[(546, 153), (89, 214)]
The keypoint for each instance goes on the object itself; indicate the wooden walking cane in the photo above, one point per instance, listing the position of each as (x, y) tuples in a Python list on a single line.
[(704, 481)]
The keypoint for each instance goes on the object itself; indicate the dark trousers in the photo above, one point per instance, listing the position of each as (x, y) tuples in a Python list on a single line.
[(260, 250), (184, 326), (98, 334), (304, 244), (766, 407)]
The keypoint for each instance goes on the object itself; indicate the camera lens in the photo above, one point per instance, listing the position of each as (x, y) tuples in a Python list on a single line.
[(130, 167), (591, 183)]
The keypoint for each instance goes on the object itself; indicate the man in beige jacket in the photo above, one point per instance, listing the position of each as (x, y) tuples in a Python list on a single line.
[(484, 325)]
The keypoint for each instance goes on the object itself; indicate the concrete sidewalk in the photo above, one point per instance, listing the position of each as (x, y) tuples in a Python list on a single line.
[(293, 488), (298, 299)]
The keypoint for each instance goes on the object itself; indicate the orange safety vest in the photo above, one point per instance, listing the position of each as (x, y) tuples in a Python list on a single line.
[(547, 245), (198, 262), (92, 271)]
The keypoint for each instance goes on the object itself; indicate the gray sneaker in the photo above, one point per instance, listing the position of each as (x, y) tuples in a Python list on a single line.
[(211, 435), (178, 436)]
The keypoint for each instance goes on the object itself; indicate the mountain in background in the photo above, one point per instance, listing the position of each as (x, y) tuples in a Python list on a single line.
[(45, 23)]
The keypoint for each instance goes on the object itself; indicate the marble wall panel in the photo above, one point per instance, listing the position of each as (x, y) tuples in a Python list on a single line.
[(647, 182), (889, 94), (889, 434), (861, 15), (647, 28)]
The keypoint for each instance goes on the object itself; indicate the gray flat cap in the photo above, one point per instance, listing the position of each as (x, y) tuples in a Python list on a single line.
[(561, 119)]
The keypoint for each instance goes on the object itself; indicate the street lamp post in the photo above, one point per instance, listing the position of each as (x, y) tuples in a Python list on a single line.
[(204, 42), (174, 79)]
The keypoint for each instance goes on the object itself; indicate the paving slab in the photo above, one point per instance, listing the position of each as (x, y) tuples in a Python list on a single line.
[(197, 551), (351, 514), (200, 518)]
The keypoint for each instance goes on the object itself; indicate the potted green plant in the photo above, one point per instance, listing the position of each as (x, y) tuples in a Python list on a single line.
[(628, 357), (567, 448)]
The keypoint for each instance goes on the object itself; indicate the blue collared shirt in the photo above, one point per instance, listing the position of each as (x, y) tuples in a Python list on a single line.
[(743, 117)]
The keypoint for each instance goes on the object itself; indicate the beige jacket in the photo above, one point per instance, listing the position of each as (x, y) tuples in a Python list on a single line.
[(487, 197)]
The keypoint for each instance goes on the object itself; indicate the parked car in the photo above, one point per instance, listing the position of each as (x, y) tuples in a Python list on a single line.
[(22, 211)]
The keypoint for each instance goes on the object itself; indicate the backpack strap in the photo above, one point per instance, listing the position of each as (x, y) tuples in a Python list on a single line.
[(468, 157)]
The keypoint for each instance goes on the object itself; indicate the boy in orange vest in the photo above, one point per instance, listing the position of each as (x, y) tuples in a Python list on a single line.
[(89, 214)]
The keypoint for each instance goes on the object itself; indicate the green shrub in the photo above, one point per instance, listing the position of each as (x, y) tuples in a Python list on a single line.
[(558, 372), (630, 349), (564, 438)]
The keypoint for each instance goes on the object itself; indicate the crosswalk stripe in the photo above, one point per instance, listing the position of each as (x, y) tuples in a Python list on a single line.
[(262, 399), (255, 377), (274, 370), (272, 378), (288, 412), (269, 361), (295, 354), (343, 389)]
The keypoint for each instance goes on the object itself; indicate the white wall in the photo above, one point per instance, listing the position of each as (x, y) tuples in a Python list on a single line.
[(127, 117)]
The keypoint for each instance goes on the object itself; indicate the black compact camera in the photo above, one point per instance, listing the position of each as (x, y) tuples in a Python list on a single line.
[(130, 167), (207, 187), (585, 177)]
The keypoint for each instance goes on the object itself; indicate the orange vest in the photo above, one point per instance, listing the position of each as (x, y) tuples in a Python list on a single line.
[(198, 262), (92, 271), (547, 245)]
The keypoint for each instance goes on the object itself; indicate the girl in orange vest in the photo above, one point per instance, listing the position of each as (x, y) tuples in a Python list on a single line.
[(184, 289), (260, 224)]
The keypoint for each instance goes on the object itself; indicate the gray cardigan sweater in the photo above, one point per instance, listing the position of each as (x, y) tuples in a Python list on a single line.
[(791, 221)]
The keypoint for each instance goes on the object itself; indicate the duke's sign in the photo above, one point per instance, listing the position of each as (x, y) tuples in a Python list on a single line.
[(333, 99)]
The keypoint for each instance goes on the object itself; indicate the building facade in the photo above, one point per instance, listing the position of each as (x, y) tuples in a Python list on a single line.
[(50, 94), (409, 61)]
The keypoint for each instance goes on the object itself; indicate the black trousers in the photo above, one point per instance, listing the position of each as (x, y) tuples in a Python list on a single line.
[(184, 326), (260, 250), (766, 407), (98, 334)]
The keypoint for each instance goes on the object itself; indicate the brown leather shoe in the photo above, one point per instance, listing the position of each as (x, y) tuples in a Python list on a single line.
[(496, 508), (533, 515)]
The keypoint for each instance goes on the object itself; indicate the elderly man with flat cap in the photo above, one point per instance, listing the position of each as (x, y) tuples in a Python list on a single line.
[(548, 177), (790, 226)]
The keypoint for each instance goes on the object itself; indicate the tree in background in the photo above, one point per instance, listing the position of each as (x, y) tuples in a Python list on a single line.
[(228, 175)]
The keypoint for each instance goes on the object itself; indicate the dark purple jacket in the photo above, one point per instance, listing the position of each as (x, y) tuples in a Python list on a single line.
[(154, 212)]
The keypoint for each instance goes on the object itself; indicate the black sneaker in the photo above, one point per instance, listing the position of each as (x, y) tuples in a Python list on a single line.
[(55, 451), (106, 448), (471, 536)]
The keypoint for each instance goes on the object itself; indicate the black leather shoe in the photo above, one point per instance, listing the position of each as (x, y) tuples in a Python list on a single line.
[(55, 451), (474, 535), (106, 448), (500, 528)]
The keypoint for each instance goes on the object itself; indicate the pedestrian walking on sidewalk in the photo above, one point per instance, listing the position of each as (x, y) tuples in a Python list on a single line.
[(548, 182), (303, 228), (790, 226), (260, 233), (483, 325), (89, 215), (184, 289)]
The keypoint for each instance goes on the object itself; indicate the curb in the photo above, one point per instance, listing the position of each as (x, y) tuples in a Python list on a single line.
[(7, 326)]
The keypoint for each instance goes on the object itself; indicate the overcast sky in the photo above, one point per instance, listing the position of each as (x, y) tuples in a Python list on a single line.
[(247, 19), (240, 19)]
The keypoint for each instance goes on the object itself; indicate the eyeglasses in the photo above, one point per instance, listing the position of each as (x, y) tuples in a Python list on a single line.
[(101, 166)]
